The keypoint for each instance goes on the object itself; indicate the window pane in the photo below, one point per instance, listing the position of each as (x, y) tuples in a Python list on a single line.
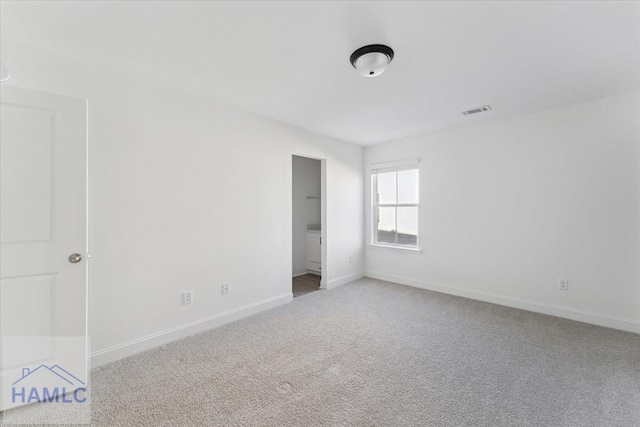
[(386, 232), (387, 188), (407, 226), (387, 219), (408, 186)]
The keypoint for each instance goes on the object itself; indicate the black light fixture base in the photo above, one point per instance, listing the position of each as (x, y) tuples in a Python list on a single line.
[(377, 48)]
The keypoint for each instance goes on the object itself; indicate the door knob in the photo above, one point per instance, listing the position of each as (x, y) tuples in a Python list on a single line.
[(75, 258)]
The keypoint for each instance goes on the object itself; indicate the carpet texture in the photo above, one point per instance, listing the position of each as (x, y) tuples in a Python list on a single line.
[(372, 353)]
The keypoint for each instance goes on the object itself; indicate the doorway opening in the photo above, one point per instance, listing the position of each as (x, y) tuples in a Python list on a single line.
[(307, 225)]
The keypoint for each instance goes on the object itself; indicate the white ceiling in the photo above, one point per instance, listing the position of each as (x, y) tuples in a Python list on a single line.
[(290, 60)]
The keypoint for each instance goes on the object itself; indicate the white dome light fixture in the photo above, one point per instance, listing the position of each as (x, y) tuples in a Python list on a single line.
[(371, 60)]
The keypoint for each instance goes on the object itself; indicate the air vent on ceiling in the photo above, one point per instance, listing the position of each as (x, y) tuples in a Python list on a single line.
[(477, 110)]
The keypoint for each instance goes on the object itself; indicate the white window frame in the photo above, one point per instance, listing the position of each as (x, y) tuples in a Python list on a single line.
[(375, 205)]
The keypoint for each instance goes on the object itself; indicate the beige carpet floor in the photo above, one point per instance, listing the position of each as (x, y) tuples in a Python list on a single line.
[(372, 353)]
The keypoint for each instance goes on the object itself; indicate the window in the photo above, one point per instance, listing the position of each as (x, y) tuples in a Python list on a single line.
[(395, 204)]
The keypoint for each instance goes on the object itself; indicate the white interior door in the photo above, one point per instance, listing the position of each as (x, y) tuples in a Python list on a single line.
[(43, 217)]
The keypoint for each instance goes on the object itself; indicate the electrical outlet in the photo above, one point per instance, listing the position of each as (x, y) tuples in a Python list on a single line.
[(187, 297), (350, 259), (563, 284), (224, 289)]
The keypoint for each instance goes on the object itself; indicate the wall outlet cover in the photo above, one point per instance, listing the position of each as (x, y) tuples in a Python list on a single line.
[(187, 297)]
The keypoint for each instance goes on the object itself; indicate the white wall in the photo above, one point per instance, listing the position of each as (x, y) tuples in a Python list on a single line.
[(510, 206), (306, 182), (176, 183), (187, 194)]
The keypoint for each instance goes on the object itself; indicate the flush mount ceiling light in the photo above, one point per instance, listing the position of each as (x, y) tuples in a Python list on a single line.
[(371, 60)]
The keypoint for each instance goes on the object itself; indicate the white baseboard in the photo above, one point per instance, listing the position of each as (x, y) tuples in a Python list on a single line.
[(129, 348), (538, 307), (344, 279)]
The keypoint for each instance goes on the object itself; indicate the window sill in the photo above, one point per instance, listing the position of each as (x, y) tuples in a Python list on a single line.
[(416, 251)]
